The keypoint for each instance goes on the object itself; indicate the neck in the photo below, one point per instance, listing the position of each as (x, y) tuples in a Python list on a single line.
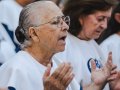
[(42, 56), (82, 36)]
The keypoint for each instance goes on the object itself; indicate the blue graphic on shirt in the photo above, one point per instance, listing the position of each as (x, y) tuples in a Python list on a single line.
[(11, 34), (11, 88), (98, 64), (81, 88)]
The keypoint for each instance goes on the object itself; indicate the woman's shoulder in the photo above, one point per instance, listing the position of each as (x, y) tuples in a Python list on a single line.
[(111, 40)]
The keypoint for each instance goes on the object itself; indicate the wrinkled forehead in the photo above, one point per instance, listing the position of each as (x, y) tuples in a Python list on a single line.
[(44, 11), (51, 11)]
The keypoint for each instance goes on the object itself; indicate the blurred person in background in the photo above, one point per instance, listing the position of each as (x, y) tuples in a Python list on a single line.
[(6, 47), (110, 41), (10, 10), (89, 19), (1, 55)]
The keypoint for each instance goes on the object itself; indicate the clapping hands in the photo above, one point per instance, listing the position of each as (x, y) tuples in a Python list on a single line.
[(60, 78)]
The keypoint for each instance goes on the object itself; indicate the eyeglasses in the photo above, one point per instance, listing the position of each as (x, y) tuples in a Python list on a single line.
[(59, 21)]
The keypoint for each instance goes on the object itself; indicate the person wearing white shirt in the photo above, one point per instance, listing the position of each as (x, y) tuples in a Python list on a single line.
[(10, 10), (88, 20), (40, 37), (110, 40)]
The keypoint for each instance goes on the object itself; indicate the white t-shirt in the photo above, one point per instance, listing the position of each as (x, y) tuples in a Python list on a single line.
[(2, 58), (23, 72), (112, 43), (79, 53), (9, 17), (7, 48)]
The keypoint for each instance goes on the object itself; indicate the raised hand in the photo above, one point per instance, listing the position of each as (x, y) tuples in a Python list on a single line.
[(115, 84), (100, 76), (60, 78)]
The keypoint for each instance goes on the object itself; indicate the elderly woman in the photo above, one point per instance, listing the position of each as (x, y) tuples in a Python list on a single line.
[(89, 19), (41, 33)]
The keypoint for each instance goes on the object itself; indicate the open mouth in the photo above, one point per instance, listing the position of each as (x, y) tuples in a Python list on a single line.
[(99, 31), (63, 38)]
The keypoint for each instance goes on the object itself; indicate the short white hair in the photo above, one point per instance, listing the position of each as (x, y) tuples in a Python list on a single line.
[(31, 15)]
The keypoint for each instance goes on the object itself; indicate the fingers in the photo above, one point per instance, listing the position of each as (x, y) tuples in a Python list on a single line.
[(63, 74), (60, 78), (68, 77), (112, 78), (110, 56), (93, 65), (109, 63), (69, 80), (110, 67), (113, 75), (58, 70), (67, 70), (47, 72), (61, 71), (113, 72), (114, 67), (109, 60)]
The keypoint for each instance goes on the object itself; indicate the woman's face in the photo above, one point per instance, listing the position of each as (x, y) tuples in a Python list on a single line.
[(52, 32), (94, 24)]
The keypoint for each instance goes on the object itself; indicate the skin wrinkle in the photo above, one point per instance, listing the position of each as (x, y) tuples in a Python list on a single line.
[(44, 19), (40, 17), (44, 43), (95, 25), (49, 14), (41, 35), (50, 39)]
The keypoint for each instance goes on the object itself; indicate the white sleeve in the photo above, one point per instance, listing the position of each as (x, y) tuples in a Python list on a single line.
[(11, 76)]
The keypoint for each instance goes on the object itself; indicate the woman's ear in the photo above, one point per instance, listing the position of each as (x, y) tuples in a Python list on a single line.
[(117, 17), (33, 34), (81, 21)]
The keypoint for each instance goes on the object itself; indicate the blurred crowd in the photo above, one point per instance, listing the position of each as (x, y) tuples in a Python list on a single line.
[(83, 42)]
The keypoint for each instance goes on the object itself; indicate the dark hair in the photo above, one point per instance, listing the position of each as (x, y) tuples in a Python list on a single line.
[(113, 25), (80, 8), (25, 22), (20, 35)]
